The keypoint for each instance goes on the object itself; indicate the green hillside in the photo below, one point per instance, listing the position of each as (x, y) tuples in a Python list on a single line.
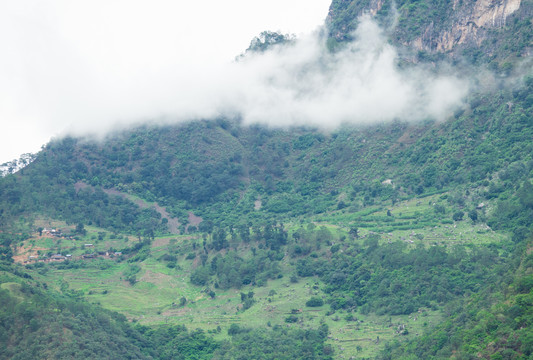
[(217, 240)]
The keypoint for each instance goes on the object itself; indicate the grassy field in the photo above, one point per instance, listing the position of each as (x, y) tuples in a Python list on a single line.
[(154, 300), (155, 297)]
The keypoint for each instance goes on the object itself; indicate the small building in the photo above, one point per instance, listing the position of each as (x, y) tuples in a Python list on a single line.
[(89, 245)]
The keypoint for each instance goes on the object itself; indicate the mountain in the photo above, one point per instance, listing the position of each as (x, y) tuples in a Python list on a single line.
[(398, 239)]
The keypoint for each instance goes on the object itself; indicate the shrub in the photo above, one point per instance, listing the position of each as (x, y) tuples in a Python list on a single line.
[(315, 301), (458, 216), (291, 319)]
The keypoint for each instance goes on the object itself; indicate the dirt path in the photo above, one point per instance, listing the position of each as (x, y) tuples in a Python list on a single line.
[(173, 223)]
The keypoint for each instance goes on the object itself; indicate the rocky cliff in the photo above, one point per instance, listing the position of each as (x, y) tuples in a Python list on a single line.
[(433, 26), (469, 22)]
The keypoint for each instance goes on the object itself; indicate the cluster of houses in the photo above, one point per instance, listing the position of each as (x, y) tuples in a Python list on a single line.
[(52, 232), (55, 257), (59, 257), (55, 233)]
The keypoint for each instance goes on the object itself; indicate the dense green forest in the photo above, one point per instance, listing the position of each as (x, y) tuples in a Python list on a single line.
[(212, 239)]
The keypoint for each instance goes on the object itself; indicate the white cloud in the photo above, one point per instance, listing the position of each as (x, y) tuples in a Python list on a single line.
[(88, 67), (304, 84)]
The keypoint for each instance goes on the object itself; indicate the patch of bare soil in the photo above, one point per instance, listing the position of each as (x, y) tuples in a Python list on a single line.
[(194, 220), (407, 137), (173, 223), (258, 204), (115, 192), (80, 185), (24, 253)]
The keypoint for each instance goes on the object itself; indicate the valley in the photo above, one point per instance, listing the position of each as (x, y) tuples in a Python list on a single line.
[(370, 234)]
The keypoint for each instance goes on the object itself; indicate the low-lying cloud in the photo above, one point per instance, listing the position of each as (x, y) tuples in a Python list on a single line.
[(305, 84), (297, 84)]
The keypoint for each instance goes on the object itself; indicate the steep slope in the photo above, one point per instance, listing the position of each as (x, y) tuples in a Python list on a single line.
[(494, 324), (35, 323)]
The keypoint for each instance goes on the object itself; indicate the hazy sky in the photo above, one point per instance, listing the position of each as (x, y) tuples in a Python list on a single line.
[(65, 64)]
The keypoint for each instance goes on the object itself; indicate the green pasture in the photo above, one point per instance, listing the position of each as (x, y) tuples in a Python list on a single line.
[(155, 299)]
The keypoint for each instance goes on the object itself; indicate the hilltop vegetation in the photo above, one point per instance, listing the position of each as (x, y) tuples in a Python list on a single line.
[(495, 323)]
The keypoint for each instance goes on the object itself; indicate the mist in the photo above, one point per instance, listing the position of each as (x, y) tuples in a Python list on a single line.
[(86, 66), (96, 89), (305, 84), (297, 84)]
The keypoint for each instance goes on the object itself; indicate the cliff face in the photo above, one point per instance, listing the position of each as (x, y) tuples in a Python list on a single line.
[(439, 26), (469, 24)]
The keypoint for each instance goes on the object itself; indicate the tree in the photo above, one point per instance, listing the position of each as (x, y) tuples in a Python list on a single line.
[(472, 214), (439, 209), (234, 329), (80, 229), (200, 276), (219, 239), (458, 216), (525, 194), (315, 301), (267, 39)]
